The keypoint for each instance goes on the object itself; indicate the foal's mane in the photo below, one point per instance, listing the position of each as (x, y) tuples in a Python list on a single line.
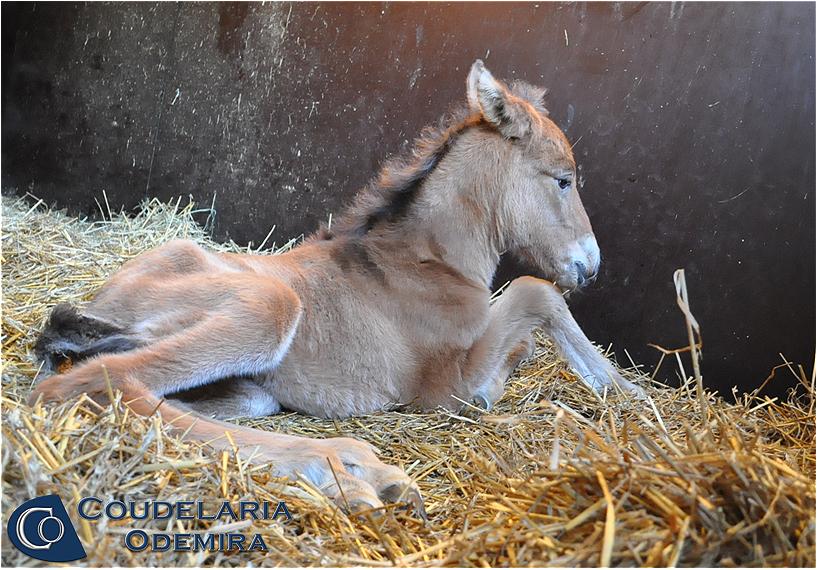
[(388, 197)]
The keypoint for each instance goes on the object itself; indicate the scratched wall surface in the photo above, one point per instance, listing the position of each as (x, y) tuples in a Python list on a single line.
[(693, 125)]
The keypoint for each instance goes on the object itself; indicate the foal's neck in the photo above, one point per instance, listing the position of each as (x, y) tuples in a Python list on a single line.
[(456, 217)]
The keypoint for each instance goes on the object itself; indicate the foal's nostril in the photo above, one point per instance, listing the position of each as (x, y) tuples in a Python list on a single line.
[(581, 272)]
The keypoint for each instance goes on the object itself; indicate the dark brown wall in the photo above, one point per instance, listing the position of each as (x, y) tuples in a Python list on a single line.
[(693, 124)]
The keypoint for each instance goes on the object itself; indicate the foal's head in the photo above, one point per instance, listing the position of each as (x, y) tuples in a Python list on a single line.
[(539, 212)]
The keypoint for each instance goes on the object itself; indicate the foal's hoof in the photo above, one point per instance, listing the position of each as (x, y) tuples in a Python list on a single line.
[(360, 483), (631, 389), (408, 494), (614, 382), (485, 396), (482, 402)]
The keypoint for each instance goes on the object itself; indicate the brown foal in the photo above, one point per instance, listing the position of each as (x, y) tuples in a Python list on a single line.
[(390, 305)]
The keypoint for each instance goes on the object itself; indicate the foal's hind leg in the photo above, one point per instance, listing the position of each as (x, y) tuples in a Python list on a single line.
[(245, 337)]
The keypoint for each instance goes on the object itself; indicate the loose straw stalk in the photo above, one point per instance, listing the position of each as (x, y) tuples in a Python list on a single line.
[(693, 328)]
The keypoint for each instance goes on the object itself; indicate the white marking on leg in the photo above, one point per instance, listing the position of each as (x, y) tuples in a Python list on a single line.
[(286, 343), (263, 404)]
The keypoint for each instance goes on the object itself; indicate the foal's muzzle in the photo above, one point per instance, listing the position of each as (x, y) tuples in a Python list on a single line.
[(586, 259)]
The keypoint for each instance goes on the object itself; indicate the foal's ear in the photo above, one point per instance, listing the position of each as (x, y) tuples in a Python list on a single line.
[(497, 105)]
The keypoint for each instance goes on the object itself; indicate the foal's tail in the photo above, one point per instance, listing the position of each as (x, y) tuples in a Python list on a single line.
[(69, 336)]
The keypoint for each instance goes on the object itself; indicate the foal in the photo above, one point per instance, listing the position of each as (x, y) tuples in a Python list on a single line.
[(390, 305)]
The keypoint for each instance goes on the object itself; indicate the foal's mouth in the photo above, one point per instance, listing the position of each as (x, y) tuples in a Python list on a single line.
[(566, 283), (526, 265)]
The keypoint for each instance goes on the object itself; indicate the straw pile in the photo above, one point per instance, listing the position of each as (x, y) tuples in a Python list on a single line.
[(552, 476)]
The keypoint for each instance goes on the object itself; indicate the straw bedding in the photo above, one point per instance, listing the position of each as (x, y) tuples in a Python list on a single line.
[(552, 476)]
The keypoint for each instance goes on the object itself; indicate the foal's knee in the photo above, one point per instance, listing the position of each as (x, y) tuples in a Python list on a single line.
[(530, 285), (537, 298)]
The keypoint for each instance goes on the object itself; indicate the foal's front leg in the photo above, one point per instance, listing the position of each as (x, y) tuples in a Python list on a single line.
[(529, 303)]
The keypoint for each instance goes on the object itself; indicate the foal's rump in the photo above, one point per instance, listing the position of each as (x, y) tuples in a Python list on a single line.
[(70, 336)]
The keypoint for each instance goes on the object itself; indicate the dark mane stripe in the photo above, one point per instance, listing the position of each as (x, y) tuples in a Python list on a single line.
[(402, 187), (389, 197)]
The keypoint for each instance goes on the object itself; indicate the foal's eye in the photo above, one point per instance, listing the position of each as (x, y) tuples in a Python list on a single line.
[(564, 183)]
